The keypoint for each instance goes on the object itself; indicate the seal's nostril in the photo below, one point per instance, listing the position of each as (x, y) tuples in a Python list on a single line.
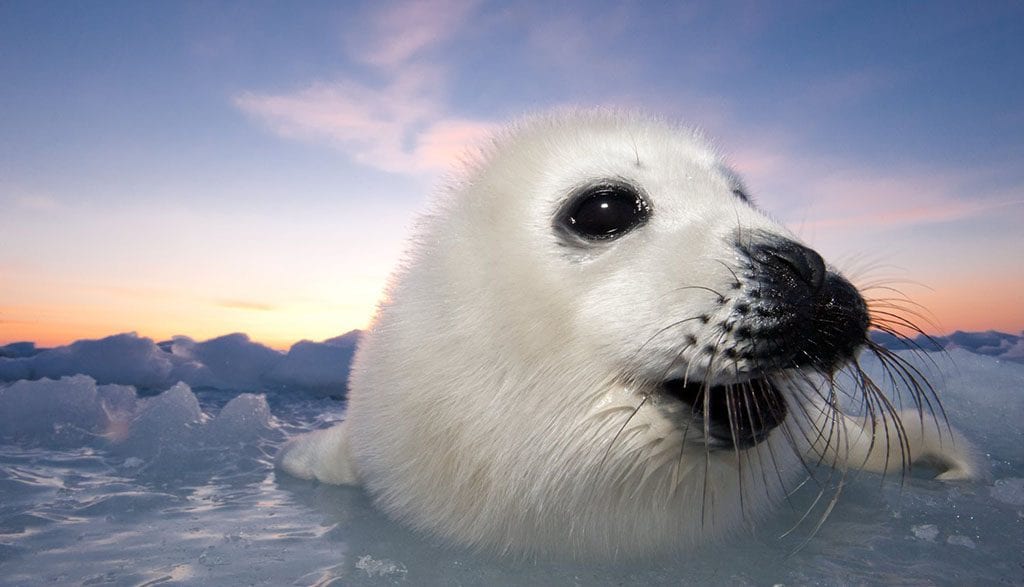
[(791, 256)]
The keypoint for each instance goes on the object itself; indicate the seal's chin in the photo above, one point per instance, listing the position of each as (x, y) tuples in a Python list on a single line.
[(734, 416)]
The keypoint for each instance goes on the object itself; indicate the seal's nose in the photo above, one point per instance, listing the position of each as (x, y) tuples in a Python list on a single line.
[(785, 257)]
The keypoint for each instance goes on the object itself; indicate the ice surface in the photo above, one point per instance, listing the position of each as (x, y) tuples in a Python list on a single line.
[(100, 484)]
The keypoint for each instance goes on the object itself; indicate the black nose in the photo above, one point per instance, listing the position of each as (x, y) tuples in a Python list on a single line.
[(783, 257), (795, 310)]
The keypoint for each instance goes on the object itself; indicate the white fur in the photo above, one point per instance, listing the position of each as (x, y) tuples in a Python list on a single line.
[(498, 398)]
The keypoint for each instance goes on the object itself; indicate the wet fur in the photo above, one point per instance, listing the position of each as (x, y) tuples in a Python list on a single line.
[(508, 394)]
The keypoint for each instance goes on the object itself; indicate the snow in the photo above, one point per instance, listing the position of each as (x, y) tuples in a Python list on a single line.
[(122, 474)]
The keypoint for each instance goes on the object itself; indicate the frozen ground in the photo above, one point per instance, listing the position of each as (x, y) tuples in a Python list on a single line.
[(101, 485)]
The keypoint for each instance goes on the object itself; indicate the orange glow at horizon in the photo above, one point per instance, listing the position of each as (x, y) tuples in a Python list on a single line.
[(975, 305), (278, 330), (62, 316), (968, 305)]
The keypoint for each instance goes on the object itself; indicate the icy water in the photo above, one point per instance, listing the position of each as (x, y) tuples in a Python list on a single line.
[(101, 487)]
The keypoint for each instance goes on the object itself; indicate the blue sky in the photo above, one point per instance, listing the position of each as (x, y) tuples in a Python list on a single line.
[(203, 168)]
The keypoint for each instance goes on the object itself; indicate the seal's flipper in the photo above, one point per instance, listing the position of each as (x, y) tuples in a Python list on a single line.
[(322, 455), (893, 444)]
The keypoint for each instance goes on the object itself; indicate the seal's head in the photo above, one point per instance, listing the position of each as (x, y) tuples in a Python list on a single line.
[(597, 345)]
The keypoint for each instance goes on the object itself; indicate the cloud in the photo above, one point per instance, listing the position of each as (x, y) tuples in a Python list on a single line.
[(403, 31), (865, 197), (400, 124), (828, 193), (446, 140), (246, 305), (401, 127), (38, 203), (941, 210), (29, 200)]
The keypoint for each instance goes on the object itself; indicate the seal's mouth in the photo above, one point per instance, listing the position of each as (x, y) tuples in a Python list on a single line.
[(735, 415)]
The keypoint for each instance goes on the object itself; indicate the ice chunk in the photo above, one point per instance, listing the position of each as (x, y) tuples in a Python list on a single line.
[(926, 532), (14, 369), (992, 343), (122, 358), (381, 568), (62, 413), (165, 427), (241, 421), (1009, 491), (17, 350), (163, 435), (320, 367), (961, 540), (118, 399), (229, 362)]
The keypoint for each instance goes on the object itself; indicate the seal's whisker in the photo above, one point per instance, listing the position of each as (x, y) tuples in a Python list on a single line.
[(611, 444), (757, 448), (922, 391), (834, 470), (904, 307), (662, 331), (736, 283), (890, 318), (879, 411), (721, 298), (705, 390), (706, 409)]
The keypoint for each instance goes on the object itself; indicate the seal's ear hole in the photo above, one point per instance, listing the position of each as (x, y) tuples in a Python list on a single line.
[(604, 211)]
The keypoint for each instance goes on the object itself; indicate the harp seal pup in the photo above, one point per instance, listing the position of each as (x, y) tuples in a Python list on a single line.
[(597, 345)]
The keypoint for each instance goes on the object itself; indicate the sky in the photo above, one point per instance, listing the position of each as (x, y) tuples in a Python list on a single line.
[(203, 168)]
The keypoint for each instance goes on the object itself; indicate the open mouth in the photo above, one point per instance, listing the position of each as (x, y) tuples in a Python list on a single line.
[(737, 415)]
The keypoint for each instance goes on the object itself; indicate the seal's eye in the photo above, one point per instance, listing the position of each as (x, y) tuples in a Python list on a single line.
[(604, 212)]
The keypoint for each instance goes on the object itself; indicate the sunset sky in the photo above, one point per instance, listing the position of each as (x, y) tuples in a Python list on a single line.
[(214, 167)]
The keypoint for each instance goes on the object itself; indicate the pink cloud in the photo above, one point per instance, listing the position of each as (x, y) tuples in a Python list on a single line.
[(821, 192), (370, 124), (449, 140), (871, 198), (400, 125), (757, 162), (38, 203), (28, 200), (940, 211), (404, 30), (374, 126)]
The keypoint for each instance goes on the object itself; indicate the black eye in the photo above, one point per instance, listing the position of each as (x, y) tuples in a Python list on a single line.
[(604, 211)]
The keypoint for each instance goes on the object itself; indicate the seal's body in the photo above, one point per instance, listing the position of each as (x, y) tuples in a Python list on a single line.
[(598, 345)]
